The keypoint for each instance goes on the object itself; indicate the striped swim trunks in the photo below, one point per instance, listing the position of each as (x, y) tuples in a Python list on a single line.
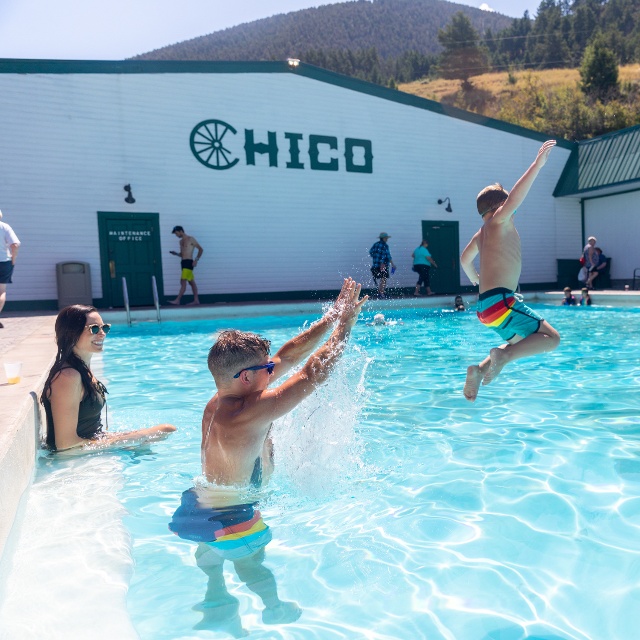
[(505, 312), (232, 532)]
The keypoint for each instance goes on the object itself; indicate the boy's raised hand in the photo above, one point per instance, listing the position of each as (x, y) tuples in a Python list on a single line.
[(334, 311), (347, 305), (544, 152), (352, 304), (344, 298)]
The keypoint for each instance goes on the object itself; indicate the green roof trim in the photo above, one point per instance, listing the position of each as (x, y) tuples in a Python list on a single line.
[(611, 160), (23, 66), (14, 65)]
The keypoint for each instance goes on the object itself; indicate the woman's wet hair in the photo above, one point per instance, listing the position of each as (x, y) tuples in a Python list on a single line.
[(70, 324), (235, 350)]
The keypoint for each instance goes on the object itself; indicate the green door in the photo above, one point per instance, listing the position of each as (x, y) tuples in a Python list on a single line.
[(129, 248), (444, 245)]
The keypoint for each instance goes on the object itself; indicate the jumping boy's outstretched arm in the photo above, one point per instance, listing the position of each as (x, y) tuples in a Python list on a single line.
[(521, 188)]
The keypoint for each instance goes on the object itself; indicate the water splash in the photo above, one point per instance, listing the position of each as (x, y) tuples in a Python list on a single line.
[(316, 446)]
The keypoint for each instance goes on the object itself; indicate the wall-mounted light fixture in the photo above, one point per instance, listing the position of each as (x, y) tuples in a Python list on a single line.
[(293, 62), (129, 199), (448, 208)]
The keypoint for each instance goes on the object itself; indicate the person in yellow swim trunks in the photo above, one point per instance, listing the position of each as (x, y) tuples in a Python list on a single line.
[(188, 244)]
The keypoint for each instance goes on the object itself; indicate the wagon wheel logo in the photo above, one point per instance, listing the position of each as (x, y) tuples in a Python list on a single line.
[(208, 147)]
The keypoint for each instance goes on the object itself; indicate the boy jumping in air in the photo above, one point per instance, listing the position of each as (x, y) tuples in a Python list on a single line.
[(499, 307)]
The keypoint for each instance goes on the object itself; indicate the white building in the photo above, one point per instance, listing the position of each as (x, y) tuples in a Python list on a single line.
[(285, 174)]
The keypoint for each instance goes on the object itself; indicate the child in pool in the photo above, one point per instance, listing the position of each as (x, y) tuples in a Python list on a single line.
[(497, 242), (569, 299), (585, 300), (458, 304), (236, 424), (380, 321)]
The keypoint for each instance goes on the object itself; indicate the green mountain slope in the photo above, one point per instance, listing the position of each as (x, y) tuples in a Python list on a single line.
[(392, 27)]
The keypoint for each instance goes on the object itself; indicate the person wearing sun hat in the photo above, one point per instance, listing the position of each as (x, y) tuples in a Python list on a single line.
[(381, 257)]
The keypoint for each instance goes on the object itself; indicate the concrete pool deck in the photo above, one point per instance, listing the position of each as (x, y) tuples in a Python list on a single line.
[(29, 338)]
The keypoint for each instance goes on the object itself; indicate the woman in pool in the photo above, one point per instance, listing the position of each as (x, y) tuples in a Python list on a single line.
[(72, 397)]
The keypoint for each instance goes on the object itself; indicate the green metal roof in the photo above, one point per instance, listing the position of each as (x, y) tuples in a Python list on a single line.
[(610, 161)]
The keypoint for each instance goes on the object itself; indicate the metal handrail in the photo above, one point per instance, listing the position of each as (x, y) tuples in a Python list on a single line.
[(125, 295), (156, 299)]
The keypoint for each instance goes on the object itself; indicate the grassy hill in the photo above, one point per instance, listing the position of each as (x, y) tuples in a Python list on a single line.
[(545, 100), (392, 27)]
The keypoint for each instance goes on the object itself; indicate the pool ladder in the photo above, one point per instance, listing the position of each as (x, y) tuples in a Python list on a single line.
[(125, 297), (156, 298)]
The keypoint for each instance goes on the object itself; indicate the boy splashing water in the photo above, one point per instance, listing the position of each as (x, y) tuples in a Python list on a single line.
[(499, 307)]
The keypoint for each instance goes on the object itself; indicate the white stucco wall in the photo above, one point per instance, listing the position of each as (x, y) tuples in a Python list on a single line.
[(71, 141)]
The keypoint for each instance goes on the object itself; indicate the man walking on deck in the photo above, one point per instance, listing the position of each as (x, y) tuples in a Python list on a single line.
[(188, 244)]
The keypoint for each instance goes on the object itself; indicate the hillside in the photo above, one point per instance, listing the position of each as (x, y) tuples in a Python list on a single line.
[(501, 89), (391, 27), (547, 100)]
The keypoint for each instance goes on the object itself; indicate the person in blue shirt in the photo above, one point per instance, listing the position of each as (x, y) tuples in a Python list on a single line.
[(381, 257), (598, 265), (569, 299), (422, 263)]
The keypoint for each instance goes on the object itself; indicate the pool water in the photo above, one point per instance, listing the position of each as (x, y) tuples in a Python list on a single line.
[(398, 509)]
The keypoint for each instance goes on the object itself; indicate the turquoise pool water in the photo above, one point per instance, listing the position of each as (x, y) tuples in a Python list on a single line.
[(398, 509)]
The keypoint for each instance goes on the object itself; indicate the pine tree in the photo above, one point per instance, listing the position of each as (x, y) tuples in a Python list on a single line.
[(463, 56), (599, 70)]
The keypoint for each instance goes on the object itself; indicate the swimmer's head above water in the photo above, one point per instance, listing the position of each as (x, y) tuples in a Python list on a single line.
[(379, 319), (491, 198), (237, 351)]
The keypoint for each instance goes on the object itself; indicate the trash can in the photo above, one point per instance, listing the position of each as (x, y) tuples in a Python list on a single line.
[(74, 283)]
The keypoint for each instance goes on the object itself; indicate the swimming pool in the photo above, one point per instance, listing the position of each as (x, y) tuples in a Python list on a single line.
[(398, 509)]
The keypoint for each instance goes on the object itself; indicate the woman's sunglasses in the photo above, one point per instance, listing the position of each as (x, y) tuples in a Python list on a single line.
[(95, 328), (269, 367)]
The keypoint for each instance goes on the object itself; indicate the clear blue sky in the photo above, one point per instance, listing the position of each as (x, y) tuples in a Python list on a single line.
[(117, 29)]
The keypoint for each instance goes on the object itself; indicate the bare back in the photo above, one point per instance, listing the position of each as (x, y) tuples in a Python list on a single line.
[(500, 254), (233, 447), (188, 244)]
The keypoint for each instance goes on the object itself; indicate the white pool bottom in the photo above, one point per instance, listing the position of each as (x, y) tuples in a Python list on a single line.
[(68, 576)]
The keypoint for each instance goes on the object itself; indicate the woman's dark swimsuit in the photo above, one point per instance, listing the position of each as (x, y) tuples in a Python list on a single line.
[(89, 416)]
